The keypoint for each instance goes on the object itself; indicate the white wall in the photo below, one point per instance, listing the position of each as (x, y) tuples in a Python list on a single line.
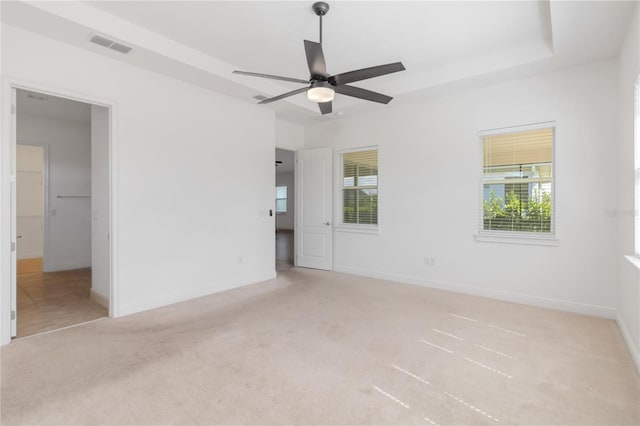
[(69, 233), (100, 247), (285, 220), (429, 170), (182, 228), (289, 136), (628, 291)]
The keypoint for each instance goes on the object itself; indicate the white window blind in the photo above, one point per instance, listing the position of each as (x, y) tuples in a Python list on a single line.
[(517, 181), (281, 199), (360, 187)]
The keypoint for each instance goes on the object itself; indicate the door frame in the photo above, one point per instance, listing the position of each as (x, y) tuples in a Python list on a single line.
[(45, 202), (295, 195), (8, 189)]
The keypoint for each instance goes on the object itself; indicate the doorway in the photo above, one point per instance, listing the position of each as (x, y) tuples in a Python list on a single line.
[(61, 213), (285, 209)]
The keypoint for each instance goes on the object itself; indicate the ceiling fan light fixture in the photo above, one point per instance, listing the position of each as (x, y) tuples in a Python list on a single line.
[(323, 86), (321, 92)]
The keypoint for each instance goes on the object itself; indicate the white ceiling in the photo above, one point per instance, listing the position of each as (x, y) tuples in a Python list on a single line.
[(48, 106), (445, 46)]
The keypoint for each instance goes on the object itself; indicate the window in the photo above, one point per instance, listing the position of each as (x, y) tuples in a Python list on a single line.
[(637, 166), (281, 199), (359, 187), (517, 181)]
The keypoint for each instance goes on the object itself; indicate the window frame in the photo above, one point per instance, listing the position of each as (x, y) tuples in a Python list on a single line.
[(636, 166), (341, 226), (518, 237), (635, 257), (286, 202)]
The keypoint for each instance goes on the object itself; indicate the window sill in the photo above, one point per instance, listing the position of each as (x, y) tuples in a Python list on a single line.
[(361, 229), (517, 239), (635, 260)]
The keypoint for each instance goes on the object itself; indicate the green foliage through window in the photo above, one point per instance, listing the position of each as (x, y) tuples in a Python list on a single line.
[(513, 214), (360, 187), (517, 176)]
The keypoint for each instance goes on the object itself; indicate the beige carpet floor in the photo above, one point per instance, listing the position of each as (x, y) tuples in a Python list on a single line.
[(316, 347)]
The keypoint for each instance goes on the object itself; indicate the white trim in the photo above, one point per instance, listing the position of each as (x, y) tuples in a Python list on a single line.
[(512, 238), (98, 298), (525, 299), (68, 266), (636, 164), (518, 128), (633, 351), (358, 229), (8, 84), (635, 260), (352, 227)]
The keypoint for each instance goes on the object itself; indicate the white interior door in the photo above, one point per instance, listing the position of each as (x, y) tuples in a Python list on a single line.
[(314, 233)]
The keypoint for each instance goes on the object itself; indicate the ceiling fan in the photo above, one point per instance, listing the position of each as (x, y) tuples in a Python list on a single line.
[(321, 86)]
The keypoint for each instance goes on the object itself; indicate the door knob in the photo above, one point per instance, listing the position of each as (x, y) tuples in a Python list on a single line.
[(326, 223)]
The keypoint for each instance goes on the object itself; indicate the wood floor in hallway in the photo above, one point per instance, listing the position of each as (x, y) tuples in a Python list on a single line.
[(50, 300), (284, 250)]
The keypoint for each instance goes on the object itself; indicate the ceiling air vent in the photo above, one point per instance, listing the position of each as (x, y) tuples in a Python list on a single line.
[(106, 42), (36, 97), (120, 47)]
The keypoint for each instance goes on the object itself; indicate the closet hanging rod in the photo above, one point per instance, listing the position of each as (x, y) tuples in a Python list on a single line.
[(73, 196)]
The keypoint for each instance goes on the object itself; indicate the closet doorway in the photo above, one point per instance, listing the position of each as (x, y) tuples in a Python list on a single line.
[(61, 215)]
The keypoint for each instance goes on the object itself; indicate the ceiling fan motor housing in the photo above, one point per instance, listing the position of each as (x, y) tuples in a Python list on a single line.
[(320, 8)]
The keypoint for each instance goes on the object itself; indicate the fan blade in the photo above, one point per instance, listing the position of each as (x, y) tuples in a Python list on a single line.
[(284, 95), (325, 107), (274, 77), (365, 73), (365, 94), (315, 59)]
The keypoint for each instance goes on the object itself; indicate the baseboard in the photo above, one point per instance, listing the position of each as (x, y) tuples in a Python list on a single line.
[(68, 266), (543, 302), (633, 350), (29, 265), (99, 299), (133, 308)]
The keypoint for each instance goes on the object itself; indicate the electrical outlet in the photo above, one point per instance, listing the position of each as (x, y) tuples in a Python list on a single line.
[(429, 261)]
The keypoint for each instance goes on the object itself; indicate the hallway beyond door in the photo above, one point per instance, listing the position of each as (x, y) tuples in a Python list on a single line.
[(52, 300)]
